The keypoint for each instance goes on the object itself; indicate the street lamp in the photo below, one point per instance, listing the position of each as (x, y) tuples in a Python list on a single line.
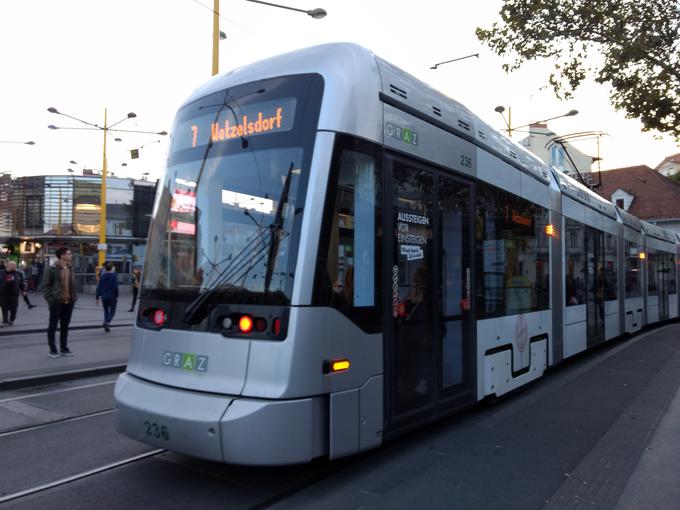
[(30, 142), (218, 35), (508, 121), (106, 128), (454, 60)]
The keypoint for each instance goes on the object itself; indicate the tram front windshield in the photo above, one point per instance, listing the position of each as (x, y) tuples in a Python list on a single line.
[(227, 214)]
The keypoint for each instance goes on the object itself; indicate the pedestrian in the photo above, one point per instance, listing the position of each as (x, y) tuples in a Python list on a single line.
[(136, 283), (11, 285), (59, 286), (24, 292), (107, 290)]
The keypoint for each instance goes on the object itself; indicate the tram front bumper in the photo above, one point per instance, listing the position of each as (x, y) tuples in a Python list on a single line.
[(221, 428)]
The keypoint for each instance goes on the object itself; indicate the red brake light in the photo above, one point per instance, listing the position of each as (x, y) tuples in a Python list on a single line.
[(245, 324), (276, 327), (159, 318), (260, 324)]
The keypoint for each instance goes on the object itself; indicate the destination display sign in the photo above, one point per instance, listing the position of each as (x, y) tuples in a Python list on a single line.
[(229, 122)]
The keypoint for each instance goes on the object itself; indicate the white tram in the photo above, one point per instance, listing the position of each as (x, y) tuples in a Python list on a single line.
[(340, 253)]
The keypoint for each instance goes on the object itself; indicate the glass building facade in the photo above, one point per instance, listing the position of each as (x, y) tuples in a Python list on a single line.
[(40, 214)]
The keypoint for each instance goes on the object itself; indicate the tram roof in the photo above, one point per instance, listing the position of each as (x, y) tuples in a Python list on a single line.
[(361, 76), (574, 189), (658, 232), (629, 220)]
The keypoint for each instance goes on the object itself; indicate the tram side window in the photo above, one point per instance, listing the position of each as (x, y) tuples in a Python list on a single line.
[(633, 275), (672, 289), (348, 267), (653, 272), (610, 271), (575, 262), (512, 254)]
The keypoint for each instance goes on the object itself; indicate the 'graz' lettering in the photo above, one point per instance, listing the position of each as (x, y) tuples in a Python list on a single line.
[(185, 361)]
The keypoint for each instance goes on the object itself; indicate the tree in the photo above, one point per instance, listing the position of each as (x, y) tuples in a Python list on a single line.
[(633, 45)]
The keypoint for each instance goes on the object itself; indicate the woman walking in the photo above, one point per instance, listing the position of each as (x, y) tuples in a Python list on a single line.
[(107, 290), (136, 282)]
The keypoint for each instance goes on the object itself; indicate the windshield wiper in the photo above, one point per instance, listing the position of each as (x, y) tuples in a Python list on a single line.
[(276, 230), (241, 265), (236, 266)]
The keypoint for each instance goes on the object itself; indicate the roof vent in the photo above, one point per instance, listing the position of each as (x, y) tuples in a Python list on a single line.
[(481, 135), (464, 125), (436, 111), (397, 91), (513, 154)]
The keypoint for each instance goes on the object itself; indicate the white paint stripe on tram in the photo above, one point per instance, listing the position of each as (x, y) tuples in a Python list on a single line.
[(79, 476), (52, 392)]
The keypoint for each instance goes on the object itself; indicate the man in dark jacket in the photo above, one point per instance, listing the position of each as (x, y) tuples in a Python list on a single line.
[(11, 286), (59, 286), (107, 290)]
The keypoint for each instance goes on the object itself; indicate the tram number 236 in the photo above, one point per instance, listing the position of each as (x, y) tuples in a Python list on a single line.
[(156, 431)]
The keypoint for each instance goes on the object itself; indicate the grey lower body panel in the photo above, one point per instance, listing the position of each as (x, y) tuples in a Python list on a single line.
[(222, 428)]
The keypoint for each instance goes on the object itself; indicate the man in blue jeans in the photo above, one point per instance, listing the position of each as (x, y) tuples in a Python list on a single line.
[(59, 286)]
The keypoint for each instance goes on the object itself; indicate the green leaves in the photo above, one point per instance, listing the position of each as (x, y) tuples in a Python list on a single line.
[(632, 45)]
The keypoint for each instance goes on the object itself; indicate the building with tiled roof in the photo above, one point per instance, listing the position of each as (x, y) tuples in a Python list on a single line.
[(669, 166), (645, 193)]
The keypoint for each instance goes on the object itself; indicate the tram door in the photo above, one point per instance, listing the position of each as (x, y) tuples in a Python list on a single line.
[(427, 335), (595, 283)]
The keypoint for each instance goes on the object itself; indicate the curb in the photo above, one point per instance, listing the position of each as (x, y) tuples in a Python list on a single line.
[(25, 382), (44, 329)]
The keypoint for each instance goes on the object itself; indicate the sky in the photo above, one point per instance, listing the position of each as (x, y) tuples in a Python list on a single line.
[(147, 56)]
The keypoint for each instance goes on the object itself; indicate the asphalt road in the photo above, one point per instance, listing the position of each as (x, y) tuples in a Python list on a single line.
[(572, 440)]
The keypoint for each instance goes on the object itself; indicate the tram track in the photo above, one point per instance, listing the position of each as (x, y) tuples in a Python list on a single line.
[(69, 419), (79, 476), (25, 399)]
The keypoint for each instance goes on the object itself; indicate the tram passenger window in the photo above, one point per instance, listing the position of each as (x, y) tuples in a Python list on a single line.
[(348, 267), (672, 289), (610, 271), (575, 262), (633, 274), (512, 254), (653, 272)]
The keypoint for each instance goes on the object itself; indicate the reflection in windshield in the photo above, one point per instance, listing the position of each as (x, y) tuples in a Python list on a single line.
[(230, 228)]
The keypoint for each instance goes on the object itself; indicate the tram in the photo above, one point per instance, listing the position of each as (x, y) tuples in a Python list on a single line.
[(339, 254)]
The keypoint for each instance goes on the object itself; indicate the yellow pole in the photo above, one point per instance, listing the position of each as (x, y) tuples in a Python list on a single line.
[(509, 122), (216, 38), (102, 204), (59, 209)]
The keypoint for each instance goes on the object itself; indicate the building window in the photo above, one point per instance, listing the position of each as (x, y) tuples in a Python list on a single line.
[(33, 211), (620, 203)]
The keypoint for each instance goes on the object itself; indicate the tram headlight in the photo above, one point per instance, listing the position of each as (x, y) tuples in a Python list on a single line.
[(245, 324), (159, 317)]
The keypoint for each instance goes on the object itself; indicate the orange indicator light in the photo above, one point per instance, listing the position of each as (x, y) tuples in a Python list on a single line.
[(245, 324), (340, 365), (643, 255), (551, 230)]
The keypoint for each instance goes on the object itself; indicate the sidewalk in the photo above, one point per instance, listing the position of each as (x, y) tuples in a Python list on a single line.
[(23, 346), (86, 314)]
